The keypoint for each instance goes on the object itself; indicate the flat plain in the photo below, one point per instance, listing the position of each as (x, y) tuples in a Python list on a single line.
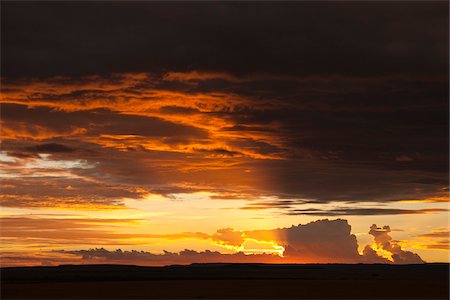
[(227, 281)]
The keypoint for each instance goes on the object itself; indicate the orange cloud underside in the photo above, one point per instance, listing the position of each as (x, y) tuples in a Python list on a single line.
[(135, 94)]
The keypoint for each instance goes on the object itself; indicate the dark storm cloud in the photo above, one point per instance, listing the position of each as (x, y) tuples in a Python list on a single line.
[(324, 181), (368, 137), (74, 38)]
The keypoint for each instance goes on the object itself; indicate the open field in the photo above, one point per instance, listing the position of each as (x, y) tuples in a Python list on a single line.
[(236, 281)]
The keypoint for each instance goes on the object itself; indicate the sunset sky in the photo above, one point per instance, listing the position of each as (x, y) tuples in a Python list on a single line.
[(158, 133)]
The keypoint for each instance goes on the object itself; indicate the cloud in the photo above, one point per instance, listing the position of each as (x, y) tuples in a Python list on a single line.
[(220, 152), (325, 241), (107, 122), (38, 48), (319, 241), (101, 255), (364, 211), (371, 256), (389, 248), (47, 232), (437, 239), (436, 234), (59, 190), (49, 148), (55, 231)]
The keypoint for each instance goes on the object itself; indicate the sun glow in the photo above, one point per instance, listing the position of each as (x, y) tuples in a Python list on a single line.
[(253, 246)]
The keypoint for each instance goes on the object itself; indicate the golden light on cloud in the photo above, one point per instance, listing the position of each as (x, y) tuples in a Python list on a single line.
[(430, 199), (254, 246), (203, 111), (382, 252)]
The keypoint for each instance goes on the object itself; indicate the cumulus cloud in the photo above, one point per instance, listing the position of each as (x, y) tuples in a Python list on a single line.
[(371, 256), (389, 248), (319, 241)]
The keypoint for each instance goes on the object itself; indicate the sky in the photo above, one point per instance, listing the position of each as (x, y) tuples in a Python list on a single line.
[(158, 133)]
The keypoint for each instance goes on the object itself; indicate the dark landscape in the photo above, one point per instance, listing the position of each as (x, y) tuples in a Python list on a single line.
[(235, 281)]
